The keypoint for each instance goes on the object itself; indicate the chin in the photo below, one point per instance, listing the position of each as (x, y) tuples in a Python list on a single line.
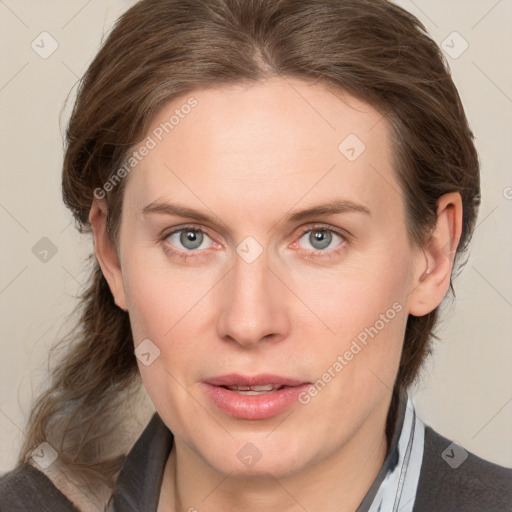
[(257, 457)]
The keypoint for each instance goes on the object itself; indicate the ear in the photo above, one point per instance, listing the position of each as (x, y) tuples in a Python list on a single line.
[(434, 267), (105, 251)]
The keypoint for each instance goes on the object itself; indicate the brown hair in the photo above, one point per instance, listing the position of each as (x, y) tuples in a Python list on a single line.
[(162, 49)]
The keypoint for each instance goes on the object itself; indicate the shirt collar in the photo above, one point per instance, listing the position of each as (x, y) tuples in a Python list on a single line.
[(395, 486)]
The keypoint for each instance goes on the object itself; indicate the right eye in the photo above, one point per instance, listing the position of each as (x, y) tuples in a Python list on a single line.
[(189, 238)]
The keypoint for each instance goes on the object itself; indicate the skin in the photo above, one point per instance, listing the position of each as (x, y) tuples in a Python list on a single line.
[(247, 156)]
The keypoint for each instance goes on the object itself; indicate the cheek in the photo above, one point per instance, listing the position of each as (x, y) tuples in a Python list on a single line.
[(351, 296), (161, 310), (158, 293), (172, 307), (366, 316), (150, 302)]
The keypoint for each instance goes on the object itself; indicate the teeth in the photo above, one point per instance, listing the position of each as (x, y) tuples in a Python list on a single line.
[(267, 387), (253, 392)]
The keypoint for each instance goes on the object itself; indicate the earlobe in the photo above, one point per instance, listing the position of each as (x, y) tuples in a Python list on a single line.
[(434, 266), (105, 252)]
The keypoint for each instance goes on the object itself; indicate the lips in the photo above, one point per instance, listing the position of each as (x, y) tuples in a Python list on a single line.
[(253, 397)]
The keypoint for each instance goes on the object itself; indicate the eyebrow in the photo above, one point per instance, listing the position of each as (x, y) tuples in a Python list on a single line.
[(336, 206)]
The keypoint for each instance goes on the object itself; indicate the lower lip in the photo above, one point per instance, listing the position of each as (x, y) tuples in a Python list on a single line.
[(254, 407)]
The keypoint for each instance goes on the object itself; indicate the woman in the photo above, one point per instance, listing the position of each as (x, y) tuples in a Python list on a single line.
[(278, 193)]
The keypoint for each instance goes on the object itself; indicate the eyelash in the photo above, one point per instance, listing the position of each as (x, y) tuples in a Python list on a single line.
[(313, 254)]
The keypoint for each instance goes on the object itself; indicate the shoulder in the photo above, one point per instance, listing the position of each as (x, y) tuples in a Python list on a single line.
[(22, 489), (452, 478)]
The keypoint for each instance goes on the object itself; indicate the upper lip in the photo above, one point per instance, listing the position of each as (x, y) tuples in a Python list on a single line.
[(234, 379)]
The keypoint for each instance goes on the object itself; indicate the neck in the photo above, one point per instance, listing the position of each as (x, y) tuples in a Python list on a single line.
[(337, 483)]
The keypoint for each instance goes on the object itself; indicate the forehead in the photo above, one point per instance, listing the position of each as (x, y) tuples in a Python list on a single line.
[(281, 141)]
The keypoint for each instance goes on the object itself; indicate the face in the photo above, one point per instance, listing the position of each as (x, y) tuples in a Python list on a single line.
[(224, 276)]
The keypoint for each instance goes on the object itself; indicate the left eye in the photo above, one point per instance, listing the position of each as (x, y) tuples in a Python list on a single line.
[(320, 238), (190, 239)]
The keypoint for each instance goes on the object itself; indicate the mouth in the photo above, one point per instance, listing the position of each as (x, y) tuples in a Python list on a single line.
[(254, 390), (253, 397)]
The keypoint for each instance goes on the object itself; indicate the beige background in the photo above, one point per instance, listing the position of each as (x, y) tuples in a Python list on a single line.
[(466, 390)]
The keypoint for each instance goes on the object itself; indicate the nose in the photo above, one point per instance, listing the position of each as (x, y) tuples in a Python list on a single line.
[(253, 304)]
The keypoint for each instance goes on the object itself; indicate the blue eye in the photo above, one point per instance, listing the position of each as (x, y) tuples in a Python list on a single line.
[(189, 238), (321, 238)]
